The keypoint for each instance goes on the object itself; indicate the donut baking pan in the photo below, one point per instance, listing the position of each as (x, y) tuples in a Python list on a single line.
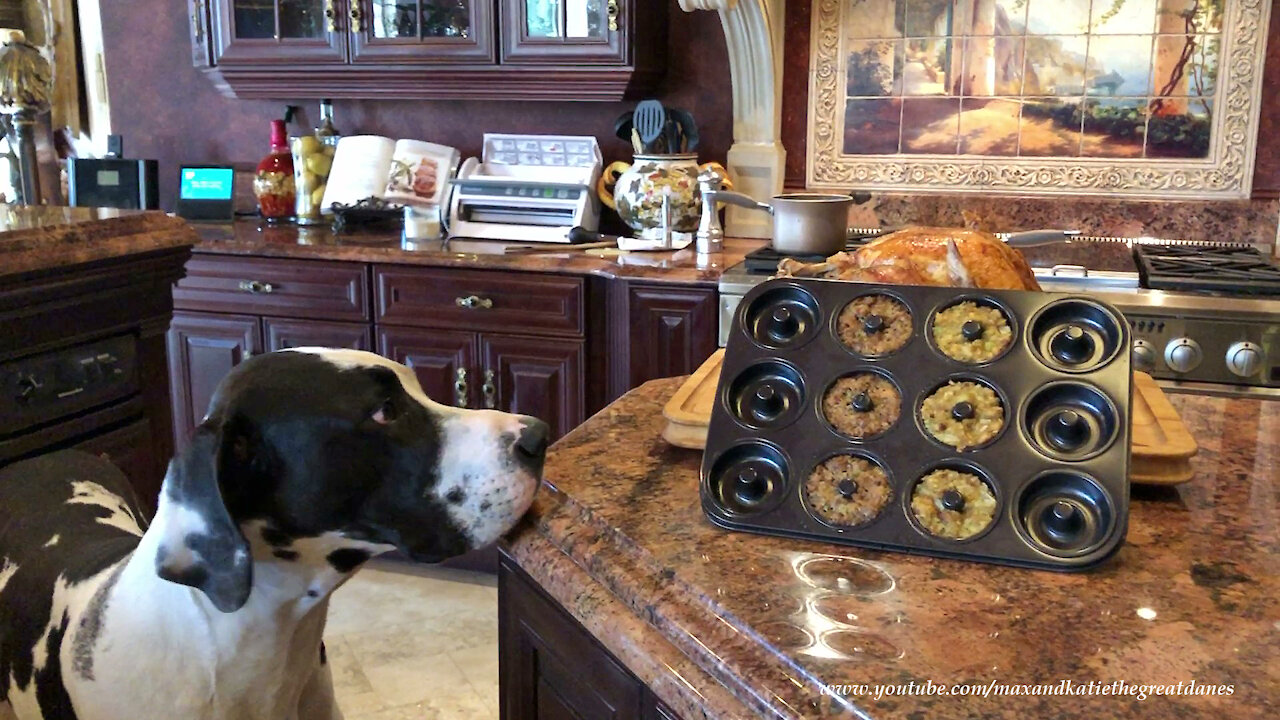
[(989, 425)]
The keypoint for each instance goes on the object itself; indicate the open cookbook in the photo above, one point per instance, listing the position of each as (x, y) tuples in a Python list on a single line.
[(405, 172)]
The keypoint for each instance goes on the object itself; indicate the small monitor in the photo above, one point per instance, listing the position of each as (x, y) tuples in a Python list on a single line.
[(206, 192)]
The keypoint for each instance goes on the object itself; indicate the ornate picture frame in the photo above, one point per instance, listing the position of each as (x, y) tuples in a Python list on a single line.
[(1224, 172)]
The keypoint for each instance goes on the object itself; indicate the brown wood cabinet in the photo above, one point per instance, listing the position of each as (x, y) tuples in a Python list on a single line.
[(670, 329), (552, 669), (508, 341), (82, 351), (431, 49), (558, 347)]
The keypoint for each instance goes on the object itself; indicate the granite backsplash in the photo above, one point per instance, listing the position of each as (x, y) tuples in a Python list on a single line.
[(1252, 221)]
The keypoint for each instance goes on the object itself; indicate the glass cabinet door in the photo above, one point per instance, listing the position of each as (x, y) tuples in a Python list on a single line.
[(426, 31), (588, 31), (286, 30)]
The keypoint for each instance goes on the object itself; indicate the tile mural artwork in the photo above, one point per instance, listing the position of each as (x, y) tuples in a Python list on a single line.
[(1030, 78)]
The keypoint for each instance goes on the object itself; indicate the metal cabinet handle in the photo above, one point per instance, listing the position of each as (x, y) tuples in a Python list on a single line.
[(613, 15), (490, 391), (460, 388), (331, 15), (356, 15), (473, 302), (257, 287)]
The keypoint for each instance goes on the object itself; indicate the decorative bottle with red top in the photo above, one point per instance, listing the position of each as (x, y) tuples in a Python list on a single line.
[(273, 186)]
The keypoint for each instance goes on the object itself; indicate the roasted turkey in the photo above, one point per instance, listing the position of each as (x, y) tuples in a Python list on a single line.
[(926, 256)]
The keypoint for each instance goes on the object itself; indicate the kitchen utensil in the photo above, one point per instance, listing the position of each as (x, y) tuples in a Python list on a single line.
[(1036, 238), (581, 235), (688, 129), (636, 144), (803, 223), (531, 250), (1162, 447), (649, 119), (688, 412), (622, 127), (1032, 465), (635, 191)]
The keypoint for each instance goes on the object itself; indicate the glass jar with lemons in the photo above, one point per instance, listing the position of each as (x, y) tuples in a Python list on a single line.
[(312, 160)]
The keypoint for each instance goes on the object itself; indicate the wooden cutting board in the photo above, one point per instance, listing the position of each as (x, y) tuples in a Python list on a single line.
[(688, 412), (1162, 447)]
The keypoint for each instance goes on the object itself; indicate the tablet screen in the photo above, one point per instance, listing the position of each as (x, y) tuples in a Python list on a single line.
[(206, 184)]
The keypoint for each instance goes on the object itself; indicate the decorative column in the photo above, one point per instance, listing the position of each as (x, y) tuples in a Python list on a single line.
[(753, 31)]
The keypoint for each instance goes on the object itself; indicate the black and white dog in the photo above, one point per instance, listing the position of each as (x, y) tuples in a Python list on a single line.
[(309, 462)]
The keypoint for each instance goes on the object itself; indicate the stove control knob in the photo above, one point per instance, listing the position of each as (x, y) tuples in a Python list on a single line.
[(1144, 356), (1244, 359), (1183, 355)]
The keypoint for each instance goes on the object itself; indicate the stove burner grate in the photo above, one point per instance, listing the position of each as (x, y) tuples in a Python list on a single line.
[(1234, 270), (765, 260)]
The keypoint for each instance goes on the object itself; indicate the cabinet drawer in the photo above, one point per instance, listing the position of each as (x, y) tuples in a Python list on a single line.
[(480, 300), (287, 288)]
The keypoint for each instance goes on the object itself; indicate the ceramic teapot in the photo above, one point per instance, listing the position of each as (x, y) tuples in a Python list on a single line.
[(636, 190)]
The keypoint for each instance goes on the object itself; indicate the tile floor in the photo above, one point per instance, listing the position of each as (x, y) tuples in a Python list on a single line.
[(415, 643)]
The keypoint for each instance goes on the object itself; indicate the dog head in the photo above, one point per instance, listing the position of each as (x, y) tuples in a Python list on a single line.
[(339, 443)]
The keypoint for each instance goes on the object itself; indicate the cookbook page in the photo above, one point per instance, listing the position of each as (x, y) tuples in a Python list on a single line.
[(360, 168), (420, 173)]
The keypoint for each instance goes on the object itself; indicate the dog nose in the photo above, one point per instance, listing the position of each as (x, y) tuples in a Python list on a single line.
[(532, 444)]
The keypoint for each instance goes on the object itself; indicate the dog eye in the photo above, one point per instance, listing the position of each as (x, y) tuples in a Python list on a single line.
[(386, 413)]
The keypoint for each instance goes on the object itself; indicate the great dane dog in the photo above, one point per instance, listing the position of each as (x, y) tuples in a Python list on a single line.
[(309, 462)]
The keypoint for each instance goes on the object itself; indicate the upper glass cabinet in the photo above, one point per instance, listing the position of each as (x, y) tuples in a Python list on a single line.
[(426, 31), (582, 31), (292, 30)]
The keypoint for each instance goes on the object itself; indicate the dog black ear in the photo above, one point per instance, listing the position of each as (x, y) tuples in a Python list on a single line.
[(200, 545)]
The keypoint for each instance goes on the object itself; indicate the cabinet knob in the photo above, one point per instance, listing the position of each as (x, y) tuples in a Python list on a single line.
[(257, 287), (460, 388), (356, 15), (473, 302), (613, 15), (490, 391)]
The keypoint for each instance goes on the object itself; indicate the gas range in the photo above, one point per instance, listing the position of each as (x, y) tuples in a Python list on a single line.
[(1205, 317)]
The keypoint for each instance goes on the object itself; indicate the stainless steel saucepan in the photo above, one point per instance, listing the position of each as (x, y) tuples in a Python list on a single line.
[(803, 223)]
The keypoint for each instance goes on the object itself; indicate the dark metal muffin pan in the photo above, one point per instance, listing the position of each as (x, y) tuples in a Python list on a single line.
[(1058, 468)]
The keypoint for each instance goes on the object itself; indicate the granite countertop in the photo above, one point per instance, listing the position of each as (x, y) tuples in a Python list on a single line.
[(41, 238), (728, 625), (320, 243)]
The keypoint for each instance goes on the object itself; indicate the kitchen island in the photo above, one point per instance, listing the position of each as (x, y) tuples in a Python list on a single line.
[(619, 599), (85, 301)]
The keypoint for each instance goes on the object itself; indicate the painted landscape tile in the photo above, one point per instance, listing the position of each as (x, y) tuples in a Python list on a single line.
[(872, 126), (990, 126), (930, 125), (1036, 78)]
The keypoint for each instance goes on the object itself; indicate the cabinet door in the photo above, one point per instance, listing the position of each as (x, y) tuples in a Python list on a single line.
[(551, 668), (280, 334), (202, 350), (557, 31), (409, 32), (673, 329), (130, 448), (280, 31), (444, 361), (541, 377)]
